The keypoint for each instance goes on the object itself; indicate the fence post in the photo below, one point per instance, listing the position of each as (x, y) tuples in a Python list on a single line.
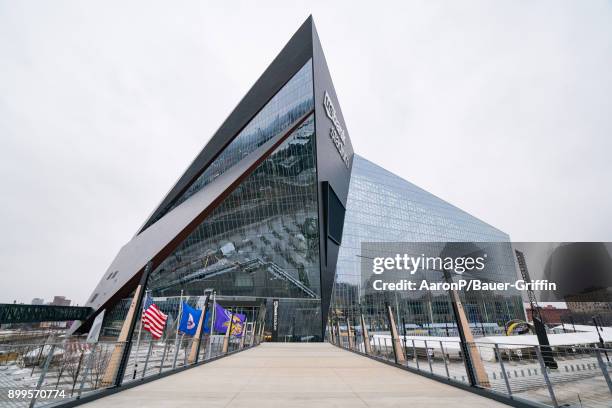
[(501, 363), (444, 359), (144, 369), (400, 358), (163, 359), (603, 367), (43, 373), (428, 357), (366, 337), (546, 379), (416, 357), (177, 344)]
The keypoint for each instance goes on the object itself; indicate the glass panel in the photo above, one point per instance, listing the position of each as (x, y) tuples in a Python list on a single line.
[(262, 241), (382, 207), (293, 101)]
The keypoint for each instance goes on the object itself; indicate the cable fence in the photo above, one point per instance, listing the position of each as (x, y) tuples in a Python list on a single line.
[(556, 376), (61, 370)]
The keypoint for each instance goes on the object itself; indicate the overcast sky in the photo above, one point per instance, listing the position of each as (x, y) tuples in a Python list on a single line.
[(501, 108)]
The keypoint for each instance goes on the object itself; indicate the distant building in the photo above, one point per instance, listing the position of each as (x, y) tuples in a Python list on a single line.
[(552, 314), (60, 301), (38, 301)]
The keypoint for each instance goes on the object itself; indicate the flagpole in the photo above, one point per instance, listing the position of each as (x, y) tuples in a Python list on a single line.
[(179, 315), (178, 324), (138, 341), (212, 325)]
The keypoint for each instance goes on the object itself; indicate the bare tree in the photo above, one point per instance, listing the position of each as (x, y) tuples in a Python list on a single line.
[(98, 365), (73, 369)]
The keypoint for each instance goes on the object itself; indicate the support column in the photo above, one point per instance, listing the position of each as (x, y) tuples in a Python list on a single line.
[(197, 339), (398, 351), (118, 361), (366, 337)]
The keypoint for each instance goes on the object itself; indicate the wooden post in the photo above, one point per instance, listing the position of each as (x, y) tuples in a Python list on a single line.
[(348, 333), (398, 350), (121, 353), (195, 344), (479, 374), (243, 334), (366, 337), (228, 333)]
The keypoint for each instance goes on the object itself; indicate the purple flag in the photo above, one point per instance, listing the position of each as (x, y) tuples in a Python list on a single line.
[(222, 320)]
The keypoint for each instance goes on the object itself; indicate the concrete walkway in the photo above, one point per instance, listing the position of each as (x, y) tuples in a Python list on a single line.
[(294, 375)]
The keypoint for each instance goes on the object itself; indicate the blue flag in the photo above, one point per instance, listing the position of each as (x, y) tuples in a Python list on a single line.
[(190, 318), (222, 321)]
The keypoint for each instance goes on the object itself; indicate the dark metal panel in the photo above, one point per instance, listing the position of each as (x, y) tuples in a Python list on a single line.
[(291, 58), (331, 167)]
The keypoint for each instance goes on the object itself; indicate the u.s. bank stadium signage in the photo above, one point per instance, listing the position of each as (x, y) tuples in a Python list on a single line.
[(336, 132)]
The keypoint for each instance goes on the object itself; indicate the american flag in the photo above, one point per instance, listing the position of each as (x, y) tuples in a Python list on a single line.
[(153, 320)]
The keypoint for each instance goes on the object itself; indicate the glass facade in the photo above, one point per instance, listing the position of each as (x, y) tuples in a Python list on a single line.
[(262, 240), (291, 102), (382, 207)]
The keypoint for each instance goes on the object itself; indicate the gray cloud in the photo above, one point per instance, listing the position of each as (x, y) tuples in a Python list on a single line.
[(501, 108)]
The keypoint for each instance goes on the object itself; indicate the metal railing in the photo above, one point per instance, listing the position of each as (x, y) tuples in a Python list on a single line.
[(560, 376), (53, 372)]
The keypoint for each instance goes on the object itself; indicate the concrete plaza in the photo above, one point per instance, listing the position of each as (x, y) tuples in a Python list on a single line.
[(295, 375)]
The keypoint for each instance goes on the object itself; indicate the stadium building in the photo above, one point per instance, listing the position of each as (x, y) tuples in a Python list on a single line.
[(271, 215)]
